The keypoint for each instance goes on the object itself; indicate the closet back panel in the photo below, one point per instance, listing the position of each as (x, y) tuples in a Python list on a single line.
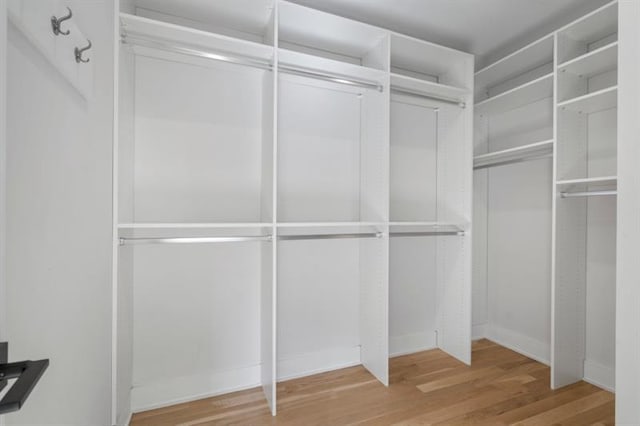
[(519, 202), (414, 151), (521, 126), (197, 159), (319, 140), (413, 306), (412, 278), (196, 321), (318, 306)]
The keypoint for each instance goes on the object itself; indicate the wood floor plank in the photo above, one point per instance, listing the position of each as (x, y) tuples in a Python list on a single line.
[(501, 388)]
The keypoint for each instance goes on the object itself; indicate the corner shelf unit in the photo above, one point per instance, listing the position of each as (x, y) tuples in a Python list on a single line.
[(293, 214), (592, 102), (525, 94), (585, 201), (554, 98), (592, 63)]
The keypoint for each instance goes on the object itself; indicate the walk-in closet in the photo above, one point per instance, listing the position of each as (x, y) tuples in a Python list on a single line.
[(319, 212)]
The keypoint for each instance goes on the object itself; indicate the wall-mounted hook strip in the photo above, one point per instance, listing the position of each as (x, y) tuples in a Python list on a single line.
[(56, 23), (79, 53)]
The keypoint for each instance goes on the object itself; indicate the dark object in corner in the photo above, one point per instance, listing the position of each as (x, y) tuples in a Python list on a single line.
[(27, 372)]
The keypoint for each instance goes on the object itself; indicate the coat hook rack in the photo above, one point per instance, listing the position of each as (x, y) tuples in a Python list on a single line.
[(56, 23), (79, 53)]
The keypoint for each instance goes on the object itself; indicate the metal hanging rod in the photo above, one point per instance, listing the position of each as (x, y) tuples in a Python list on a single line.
[(289, 69), (238, 60), (193, 240), (430, 97), (427, 234), (587, 194), (240, 239), (513, 161), (329, 236)]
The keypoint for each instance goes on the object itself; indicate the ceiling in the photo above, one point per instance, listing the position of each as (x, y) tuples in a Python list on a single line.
[(489, 29)]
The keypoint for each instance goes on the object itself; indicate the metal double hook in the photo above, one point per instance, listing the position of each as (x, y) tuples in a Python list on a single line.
[(56, 23), (79, 53)]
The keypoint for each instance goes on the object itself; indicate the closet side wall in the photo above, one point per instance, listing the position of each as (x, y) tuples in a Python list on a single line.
[(628, 267), (59, 226)]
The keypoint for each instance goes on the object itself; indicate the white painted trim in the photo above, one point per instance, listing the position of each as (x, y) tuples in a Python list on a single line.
[(317, 362), (600, 375), (412, 343), (525, 345), (191, 388)]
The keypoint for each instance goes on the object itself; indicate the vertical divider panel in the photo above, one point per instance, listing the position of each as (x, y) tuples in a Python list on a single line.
[(628, 220), (374, 207), (455, 183), (568, 292), (554, 207), (269, 214), (3, 147)]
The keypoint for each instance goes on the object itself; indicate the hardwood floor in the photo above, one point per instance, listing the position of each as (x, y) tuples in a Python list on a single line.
[(501, 388)]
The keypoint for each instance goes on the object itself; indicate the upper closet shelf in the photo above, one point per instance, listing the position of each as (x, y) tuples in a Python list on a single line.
[(150, 33), (311, 31), (292, 62), (577, 38), (532, 151), (439, 92), (528, 58), (153, 233), (329, 230), (221, 225), (593, 63), (527, 93), (592, 102), (429, 62)]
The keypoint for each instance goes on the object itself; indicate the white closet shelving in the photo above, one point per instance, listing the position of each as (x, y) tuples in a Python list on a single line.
[(550, 292), (272, 176), (584, 278), (429, 198)]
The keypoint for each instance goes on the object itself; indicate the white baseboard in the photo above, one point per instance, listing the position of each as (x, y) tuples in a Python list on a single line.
[(412, 343), (479, 331), (302, 365), (128, 419), (599, 375), (525, 345), (190, 388)]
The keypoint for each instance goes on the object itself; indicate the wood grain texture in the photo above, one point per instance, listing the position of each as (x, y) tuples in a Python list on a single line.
[(429, 388)]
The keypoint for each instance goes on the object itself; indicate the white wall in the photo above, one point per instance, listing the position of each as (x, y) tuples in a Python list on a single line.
[(628, 286), (59, 227)]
